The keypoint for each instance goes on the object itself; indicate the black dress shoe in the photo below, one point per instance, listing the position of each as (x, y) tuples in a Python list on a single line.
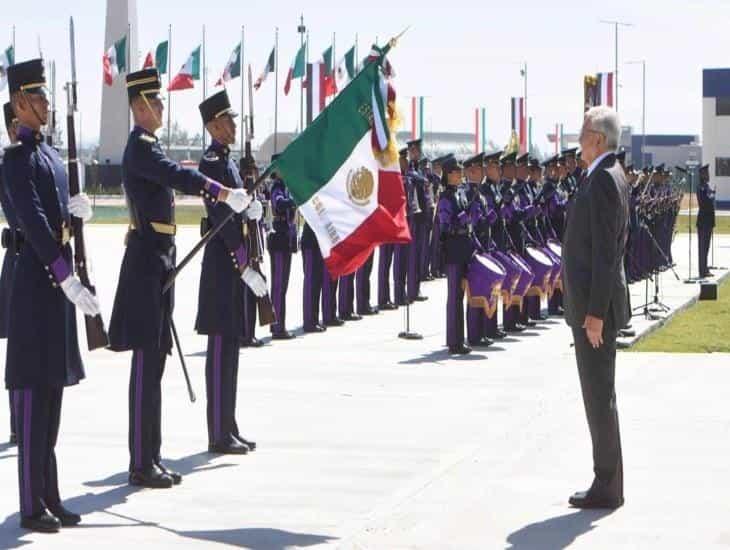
[(232, 447), (336, 322), (459, 350), (483, 343), (626, 333), (352, 317), (315, 329), (514, 328), (43, 522), (498, 335), (388, 306), (176, 476), (251, 343), (589, 499), (421, 298), (556, 311), (250, 444), (370, 310), (527, 323), (66, 517), (286, 335), (13, 439), (152, 477)]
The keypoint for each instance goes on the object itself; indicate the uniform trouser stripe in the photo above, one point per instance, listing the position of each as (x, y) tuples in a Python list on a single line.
[(27, 458), (138, 410), (217, 387)]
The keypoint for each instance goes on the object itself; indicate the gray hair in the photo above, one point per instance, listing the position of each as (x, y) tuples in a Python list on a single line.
[(605, 120)]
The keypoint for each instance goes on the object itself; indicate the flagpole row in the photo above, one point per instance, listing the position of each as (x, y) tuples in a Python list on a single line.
[(276, 91), (169, 95)]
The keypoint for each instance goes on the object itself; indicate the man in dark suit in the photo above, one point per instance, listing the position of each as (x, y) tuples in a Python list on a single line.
[(595, 298)]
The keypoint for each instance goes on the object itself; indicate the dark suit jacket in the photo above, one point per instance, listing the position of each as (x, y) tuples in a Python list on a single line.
[(594, 246)]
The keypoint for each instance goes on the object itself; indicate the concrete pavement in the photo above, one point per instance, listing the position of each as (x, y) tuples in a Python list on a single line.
[(368, 441)]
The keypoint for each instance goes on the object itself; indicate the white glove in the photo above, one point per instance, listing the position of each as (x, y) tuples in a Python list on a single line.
[(79, 206), (80, 296), (238, 200), (255, 210), (255, 281)]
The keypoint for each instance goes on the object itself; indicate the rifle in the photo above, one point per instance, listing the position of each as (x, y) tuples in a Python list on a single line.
[(95, 332), (254, 238)]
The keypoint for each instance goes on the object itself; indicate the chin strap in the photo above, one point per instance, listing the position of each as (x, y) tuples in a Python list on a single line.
[(154, 114)]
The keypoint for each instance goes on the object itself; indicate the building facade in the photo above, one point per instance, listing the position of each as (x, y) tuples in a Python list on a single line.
[(716, 130)]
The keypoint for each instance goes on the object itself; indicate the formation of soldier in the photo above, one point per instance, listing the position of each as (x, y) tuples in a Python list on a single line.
[(491, 226)]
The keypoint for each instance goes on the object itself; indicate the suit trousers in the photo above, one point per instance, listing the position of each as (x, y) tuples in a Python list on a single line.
[(597, 372)]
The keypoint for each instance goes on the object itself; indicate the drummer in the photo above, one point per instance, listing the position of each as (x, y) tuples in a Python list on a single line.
[(458, 249), (481, 218)]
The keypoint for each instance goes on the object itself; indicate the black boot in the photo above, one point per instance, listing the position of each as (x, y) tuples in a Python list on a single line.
[(66, 517), (459, 350), (176, 476), (250, 444), (43, 522), (231, 447)]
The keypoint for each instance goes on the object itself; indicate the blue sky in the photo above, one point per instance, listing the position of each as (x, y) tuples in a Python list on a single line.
[(458, 56)]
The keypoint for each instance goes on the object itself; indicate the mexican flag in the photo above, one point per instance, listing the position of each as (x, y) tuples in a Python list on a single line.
[(345, 69), (7, 58), (115, 60), (330, 86), (297, 68), (159, 59), (343, 173), (233, 67), (269, 68), (189, 73)]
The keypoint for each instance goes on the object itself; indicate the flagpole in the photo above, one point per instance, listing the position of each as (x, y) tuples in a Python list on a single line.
[(333, 64), (306, 62), (484, 129), (15, 53), (421, 106), (301, 29), (129, 69), (202, 75), (526, 117), (243, 92), (276, 91), (169, 95), (356, 62)]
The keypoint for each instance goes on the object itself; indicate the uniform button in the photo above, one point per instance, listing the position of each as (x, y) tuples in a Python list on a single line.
[(54, 285), (47, 268)]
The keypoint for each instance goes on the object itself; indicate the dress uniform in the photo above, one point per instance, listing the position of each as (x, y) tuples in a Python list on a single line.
[(313, 265), (705, 217), (458, 249), (11, 253), (330, 285), (493, 198), (480, 218), (42, 351), (429, 209), (142, 313), (553, 205), (385, 263), (436, 264), (401, 251), (220, 296), (282, 244), (418, 221), (346, 299)]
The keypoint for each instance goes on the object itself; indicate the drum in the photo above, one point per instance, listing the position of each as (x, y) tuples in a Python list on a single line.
[(483, 283), (554, 250), (526, 277), (542, 268), (513, 274)]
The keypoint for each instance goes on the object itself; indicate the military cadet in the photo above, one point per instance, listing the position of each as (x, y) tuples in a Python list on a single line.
[(11, 253), (429, 210), (458, 248), (480, 218), (553, 205), (282, 243), (400, 252), (436, 264), (362, 287), (225, 271), (250, 173), (313, 266), (385, 263), (346, 299), (524, 198), (418, 184), (569, 181), (491, 193), (42, 351), (705, 218), (142, 313), (512, 215)]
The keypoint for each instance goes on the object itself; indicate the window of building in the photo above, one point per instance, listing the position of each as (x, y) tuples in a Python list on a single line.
[(722, 106), (722, 166)]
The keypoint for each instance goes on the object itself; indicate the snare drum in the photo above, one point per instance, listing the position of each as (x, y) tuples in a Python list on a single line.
[(542, 267), (483, 283)]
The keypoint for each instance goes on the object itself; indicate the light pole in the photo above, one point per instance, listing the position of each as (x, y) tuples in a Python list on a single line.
[(523, 72), (615, 70), (643, 107)]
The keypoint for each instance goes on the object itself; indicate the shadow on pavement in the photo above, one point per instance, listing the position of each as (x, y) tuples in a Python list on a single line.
[(440, 355), (258, 538), (556, 532)]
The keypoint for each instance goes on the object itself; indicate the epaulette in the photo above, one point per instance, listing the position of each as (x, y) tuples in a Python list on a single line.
[(211, 156), (13, 146), (147, 139)]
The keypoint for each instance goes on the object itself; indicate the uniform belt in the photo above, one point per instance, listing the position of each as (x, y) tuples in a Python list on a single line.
[(160, 228), (64, 236)]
